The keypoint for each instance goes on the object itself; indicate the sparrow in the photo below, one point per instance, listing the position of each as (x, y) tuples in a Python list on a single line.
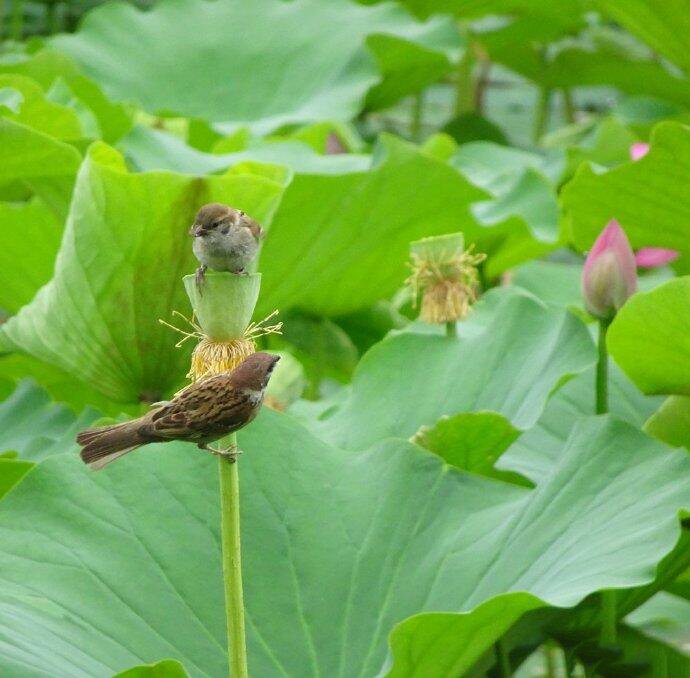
[(225, 239), (204, 412)]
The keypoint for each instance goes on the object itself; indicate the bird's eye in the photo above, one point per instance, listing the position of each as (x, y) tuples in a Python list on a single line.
[(216, 223)]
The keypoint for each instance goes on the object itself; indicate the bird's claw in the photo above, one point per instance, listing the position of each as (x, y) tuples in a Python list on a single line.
[(230, 453), (200, 277)]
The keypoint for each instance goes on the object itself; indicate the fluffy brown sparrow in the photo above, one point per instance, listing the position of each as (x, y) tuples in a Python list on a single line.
[(204, 412), (225, 239)]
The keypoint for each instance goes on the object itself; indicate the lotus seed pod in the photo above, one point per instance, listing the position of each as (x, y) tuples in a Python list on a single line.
[(445, 275)]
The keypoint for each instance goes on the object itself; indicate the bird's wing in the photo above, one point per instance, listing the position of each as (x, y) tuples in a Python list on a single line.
[(205, 406), (255, 230)]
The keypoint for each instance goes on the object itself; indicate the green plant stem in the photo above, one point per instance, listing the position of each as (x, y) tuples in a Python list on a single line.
[(52, 18), (602, 376), (569, 106), (17, 23), (502, 659), (542, 118), (608, 598), (550, 659), (451, 329), (464, 80), (232, 561), (417, 117)]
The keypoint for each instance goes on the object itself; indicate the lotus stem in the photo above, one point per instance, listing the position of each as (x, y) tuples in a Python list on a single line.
[(464, 80), (417, 117), (609, 614), (502, 659), (602, 378), (232, 561), (17, 22), (542, 118)]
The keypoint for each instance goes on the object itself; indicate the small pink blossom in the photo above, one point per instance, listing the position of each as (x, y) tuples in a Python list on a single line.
[(638, 150), (334, 145), (653, 257), (610, 275)]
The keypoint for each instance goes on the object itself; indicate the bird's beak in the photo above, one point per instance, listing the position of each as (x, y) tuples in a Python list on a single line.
[(196, 230)]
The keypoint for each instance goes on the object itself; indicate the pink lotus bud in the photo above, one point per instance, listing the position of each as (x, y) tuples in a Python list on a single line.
[(334, 146), (653, 257), (638, 150), (610, 275)]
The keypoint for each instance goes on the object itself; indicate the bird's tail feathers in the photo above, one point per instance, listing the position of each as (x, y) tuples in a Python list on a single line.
[(102, 445)]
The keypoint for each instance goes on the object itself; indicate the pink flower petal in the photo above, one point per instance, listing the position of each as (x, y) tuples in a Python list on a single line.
[(638, 150), (653, 257)]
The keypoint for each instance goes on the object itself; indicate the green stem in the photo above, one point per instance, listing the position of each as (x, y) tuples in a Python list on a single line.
[(232, 561), (550, 652), (52, 19), (502, 659), (17, 22), (608, 598), (602, 376), (417, 117), (609, 617), (452, 329), (542, 118), (464, 81), (569, 106)]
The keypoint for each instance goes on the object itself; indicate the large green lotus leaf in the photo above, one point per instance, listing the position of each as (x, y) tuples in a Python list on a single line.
[(664, 26), (539, 449), (509, 356), (665, 617), (99, 117), (43, 66), (166, 668), (31, 237), (45, 164), (408, 67), (671, 422), (659, 660), (38, 112), (104, 571), (647, 197), (191, 58), (592, 60), (150, 149), (60, 386), (123, 253), (552, 15), (494, 167), (26, 153), (650, 341), (11, 472), (451, 644), (524, 222), (36, 427), (583, 67), (471, 441), (523, 212)]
